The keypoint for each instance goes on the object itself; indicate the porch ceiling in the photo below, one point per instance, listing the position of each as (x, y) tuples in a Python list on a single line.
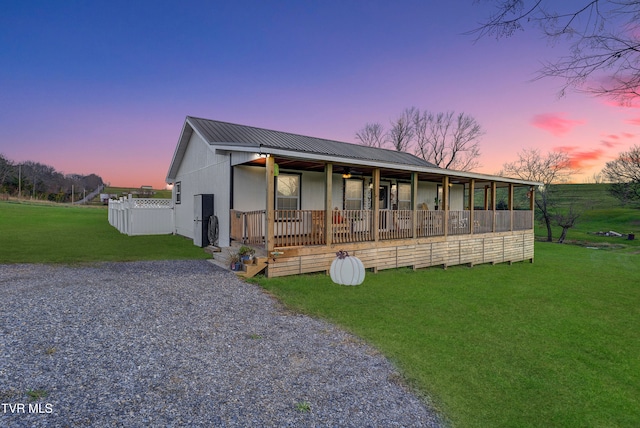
[(366, 171)]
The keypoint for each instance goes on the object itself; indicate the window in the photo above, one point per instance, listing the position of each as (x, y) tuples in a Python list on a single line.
[(287, 192), (404, 196), (353, 194), (178, 187)]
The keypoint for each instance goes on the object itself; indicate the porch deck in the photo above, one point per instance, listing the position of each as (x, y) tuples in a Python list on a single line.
[(420, 238)]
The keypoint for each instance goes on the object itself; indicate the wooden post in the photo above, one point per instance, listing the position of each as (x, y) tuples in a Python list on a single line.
[(486, 198), (445, 203), (375, 199), (532, 206), (510, 203), (493, 204), (328, 203), (414, 202), (270, 178), (472, 190)]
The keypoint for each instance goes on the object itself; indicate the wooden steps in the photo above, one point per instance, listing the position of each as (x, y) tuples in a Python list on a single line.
[(249, 270), (257, 265)]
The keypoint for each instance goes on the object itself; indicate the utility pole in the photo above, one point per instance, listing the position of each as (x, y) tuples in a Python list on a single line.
[(19, 180)]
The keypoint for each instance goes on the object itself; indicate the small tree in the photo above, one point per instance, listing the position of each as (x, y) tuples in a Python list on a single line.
[(551, 169), (624, 175), (566, 221)]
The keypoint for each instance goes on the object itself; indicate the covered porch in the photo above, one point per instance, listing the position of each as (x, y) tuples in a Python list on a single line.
[(471, 219)]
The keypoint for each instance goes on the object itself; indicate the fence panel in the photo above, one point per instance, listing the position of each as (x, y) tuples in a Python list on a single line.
[(141, 216)]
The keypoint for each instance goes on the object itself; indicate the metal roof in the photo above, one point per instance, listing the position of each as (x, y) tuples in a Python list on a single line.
[(310, 152), (224, 133)]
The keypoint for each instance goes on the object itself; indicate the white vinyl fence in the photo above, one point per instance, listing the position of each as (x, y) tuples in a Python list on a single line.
[(142, 216)]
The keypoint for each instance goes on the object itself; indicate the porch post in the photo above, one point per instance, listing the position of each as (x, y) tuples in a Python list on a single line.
[(414, 203), (445, 203), (270, 177), (486, 198), (328, 203), (510, 202), (493, 204), (375, 199), (532, 205), (472, 190)]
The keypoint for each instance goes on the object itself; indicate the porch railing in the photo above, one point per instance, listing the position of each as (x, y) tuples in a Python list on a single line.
[(248, 227), (307, 227)]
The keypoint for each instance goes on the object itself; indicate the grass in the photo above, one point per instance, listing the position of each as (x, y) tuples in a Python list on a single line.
[(122, 191), (303, 406), (600, 213), (36, 394), (43, 233), (553, 343)]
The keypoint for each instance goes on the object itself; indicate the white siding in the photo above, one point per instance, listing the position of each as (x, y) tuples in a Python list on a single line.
[(426, 193), (202, 171), (250, 187)]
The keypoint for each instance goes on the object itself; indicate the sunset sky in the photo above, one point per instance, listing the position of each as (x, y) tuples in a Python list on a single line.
[(104, 86)]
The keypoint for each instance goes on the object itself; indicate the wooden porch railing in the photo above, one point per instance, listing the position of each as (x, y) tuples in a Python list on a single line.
[(307, 227), (396, 224), (248, 227), (430, 223), (458, 223), (522, 220)]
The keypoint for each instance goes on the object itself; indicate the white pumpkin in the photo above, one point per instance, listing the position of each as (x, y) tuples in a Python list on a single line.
[(346, 269)]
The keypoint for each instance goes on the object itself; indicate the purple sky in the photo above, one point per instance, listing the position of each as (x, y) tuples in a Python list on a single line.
[(104, 86)]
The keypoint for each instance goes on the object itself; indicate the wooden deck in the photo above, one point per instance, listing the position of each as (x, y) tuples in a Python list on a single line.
[(501, 247), (435, 238)]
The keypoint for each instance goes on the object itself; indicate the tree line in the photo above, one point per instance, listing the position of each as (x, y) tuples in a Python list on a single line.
[(40, 181)]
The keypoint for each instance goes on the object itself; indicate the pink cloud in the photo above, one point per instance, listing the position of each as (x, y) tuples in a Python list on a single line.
[(555, 123), (635, 121), (614, 140), (581, 159)]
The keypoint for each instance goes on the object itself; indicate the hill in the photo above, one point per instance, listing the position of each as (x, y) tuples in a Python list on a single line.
[(600, 213)]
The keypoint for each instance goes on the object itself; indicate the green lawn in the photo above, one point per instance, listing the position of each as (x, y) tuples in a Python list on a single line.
[(553, 343), (44, 233)]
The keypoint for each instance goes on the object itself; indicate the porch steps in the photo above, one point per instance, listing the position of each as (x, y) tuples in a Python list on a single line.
[(249, 270)]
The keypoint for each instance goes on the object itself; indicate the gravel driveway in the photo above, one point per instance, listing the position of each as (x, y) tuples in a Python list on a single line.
[(180, 343)]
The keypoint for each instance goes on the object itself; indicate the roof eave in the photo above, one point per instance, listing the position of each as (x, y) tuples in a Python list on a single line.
[(260, 149)]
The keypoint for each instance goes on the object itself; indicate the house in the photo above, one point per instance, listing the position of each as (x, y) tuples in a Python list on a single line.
[(305, 198)]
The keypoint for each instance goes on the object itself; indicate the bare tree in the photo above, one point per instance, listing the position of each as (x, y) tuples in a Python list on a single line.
[(624, 175), (371, 135), (551, 169), (566, 221), (402, 131), (448, 140), (6, 170), (604, 52)]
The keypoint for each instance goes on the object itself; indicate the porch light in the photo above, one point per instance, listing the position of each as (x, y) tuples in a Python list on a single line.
[(347, 173), (265, 155)]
